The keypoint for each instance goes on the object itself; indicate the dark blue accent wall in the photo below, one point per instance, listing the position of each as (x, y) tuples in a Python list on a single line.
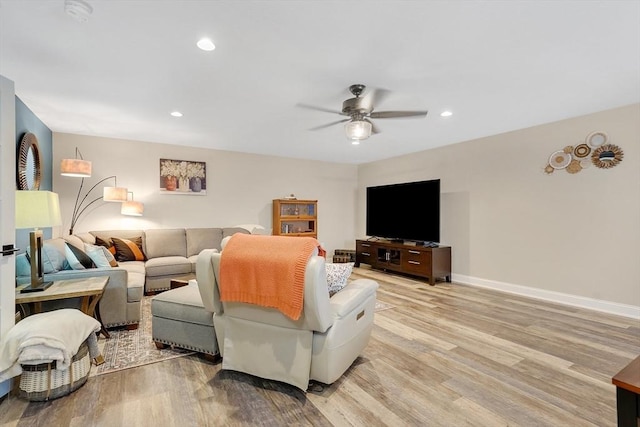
[(26, 121)]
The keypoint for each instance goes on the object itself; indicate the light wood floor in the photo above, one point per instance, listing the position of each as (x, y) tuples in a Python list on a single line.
[(447, 355)]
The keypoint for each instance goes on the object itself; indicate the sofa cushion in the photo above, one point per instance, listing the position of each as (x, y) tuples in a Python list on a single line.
[(230, 231), (167, 265), (128, 249), (183, 304), (199, 239), (135, 279), (75, 241), (86, 238), (193, 260), (106, 235), (165, 242)]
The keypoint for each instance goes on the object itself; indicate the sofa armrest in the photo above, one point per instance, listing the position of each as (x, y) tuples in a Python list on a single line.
[(351, 296)]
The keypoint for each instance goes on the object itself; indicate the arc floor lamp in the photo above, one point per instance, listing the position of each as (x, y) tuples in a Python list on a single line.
[(78, 167)]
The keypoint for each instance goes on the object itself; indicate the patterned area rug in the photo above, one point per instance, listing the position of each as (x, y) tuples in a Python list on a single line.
[(128, 349)]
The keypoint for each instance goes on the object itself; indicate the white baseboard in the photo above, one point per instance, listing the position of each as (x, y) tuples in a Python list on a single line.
[(625, 310)]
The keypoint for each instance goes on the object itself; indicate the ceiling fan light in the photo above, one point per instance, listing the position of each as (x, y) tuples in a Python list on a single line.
[(358, 129)]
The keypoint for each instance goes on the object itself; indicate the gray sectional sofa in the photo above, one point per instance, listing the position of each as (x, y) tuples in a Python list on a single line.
[(169, 254)]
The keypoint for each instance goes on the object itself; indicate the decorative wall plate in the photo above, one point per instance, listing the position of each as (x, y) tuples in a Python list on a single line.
[(559, 159), (574, 166), (585, 163), (581, 151), (596, 139)]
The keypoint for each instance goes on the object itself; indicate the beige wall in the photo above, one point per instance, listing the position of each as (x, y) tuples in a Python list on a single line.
[(511, 225), (240, 188)]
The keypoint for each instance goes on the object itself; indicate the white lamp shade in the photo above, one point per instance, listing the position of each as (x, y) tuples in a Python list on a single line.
[(36, 209), (75, 167), (358, 129), (114, 194), (132, 208)]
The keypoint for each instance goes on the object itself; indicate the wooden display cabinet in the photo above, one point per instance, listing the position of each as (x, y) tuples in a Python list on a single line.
[(428, 262), (295, 218)]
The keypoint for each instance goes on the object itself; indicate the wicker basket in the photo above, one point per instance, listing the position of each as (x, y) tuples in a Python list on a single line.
[(43, 382)]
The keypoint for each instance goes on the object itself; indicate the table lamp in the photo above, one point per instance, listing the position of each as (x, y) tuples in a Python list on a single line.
[(35, 209)]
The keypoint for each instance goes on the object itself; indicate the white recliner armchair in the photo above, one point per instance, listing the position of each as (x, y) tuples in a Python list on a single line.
[(321, 345)]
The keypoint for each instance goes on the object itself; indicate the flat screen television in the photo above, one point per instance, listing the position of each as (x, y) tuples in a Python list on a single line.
[(407, 211)]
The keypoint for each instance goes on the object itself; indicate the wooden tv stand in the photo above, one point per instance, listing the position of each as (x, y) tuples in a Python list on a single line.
[(422, 261)]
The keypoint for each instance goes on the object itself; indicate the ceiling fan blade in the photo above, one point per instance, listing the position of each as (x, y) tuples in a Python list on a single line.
[(376, 96), (313, 107), (329, 124), (396, 114)]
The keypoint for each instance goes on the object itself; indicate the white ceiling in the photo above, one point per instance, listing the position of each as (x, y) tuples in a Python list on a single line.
[(498, 65)]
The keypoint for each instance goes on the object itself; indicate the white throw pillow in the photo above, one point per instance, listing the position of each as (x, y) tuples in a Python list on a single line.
[(337, 276), (97, 255)]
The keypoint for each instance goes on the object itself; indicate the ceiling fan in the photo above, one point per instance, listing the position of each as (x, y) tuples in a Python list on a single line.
[(359, 110)]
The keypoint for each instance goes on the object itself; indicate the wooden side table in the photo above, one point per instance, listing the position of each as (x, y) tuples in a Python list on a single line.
[(627, 383), (89, 290)]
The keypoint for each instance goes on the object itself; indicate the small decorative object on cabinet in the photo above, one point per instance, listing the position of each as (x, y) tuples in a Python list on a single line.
[(295, 217), (428, 262)]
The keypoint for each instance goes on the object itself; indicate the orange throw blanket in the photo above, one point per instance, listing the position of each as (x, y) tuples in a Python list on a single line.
[(267, 271)]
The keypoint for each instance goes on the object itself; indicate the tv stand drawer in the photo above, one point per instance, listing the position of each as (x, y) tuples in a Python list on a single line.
[(365, 253), (414, 261)]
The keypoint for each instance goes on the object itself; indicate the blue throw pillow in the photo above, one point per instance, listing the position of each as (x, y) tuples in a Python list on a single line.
[(23, 267), (52, 260)]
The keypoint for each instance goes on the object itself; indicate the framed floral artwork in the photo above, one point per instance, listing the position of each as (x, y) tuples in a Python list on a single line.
[(183, 177)]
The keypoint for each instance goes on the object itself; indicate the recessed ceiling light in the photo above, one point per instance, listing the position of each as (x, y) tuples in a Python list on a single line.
[(176, 114), (206, 44), (446, 113), (355, 141)]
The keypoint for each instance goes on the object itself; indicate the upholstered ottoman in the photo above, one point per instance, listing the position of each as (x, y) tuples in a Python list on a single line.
[(179, 319)]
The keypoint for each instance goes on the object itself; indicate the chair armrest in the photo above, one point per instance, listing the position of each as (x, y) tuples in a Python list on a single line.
[(351, 296)]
